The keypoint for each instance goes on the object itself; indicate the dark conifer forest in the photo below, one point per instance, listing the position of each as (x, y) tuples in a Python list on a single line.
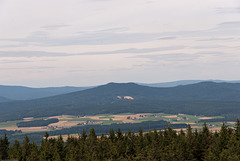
[(164, 145)]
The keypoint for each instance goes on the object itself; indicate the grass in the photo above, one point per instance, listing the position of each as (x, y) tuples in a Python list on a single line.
[(40, 118), (127, 114), (191, 119), (106, 117), (150, 119), (107, 122), (9, 124), (76, 119)]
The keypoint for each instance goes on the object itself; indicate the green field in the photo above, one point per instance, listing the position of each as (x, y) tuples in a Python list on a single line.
[(106, 117), (8, 124), (66, 121)]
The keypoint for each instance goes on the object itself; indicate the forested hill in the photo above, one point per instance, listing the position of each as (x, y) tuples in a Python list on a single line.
[(3, 99), (180, 82), (205, 91), (27, 93), (125, 96)]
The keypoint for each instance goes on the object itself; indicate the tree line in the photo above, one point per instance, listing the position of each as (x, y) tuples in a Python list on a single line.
[(164, 145), (229, 110), (99, 129), (37, 123)]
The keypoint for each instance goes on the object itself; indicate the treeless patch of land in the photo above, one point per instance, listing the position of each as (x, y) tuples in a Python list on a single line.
[(190, 123), (205, 118), (97, 117), (10, 128), (178, 130), (215, 129), (33, 129), (62, 117), (63, 136), (28, 119), (123, 118), (27, 129), (65, 123), (171, 116), (195, 127), (128, 97)]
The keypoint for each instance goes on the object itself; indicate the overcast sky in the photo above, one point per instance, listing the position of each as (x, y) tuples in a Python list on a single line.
[(92, 42)]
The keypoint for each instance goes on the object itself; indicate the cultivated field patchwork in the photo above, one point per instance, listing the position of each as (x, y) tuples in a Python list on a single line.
[(67, 121)]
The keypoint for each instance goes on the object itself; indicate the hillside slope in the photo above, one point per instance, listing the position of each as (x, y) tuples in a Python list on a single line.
[(106, 98), (3, 99), (26, 93), (175, 83), (183, 82)]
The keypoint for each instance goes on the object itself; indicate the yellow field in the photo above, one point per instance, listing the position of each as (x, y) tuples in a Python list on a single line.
[(66, 121), (205, 118), (27, 129), (171, 116)]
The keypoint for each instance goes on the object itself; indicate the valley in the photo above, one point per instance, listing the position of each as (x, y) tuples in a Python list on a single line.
[(127, 106), (67, 121)]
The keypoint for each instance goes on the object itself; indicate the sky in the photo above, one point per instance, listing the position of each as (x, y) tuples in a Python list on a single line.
[(92, 42)]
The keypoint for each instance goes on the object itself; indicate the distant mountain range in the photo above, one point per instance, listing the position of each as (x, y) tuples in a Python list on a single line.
[(3, 99), (183, 82), (26, 93), (199, 98)]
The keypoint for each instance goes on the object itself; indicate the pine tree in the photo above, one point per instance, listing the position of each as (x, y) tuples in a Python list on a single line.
[(15, 151), (112, 136), (47, 148), (33, 154), (4, 146), (84, 135), (25, 148), (59, 149)]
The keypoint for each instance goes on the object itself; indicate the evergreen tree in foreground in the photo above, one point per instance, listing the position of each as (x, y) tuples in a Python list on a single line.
[(156, 145)]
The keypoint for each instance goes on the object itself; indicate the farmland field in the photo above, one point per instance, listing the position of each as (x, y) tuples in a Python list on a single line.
[(67, 121)]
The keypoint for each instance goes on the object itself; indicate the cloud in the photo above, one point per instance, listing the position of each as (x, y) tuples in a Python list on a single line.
[(56, 54), (28, 68), (228, 10), (13, 61), (176, 57), (169, 57), (135, 51), (120, 36), (54, 27), (116, 29), (218, 39), (229, 25), (97, 0), (94, 38), (216, 53), (208, 47), (13, 46), (167, 38), (30, 54), (229, 29)]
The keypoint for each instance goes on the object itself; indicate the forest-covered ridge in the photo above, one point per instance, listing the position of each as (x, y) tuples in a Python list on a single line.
[(28, 93), (4, 99), (207, 98)]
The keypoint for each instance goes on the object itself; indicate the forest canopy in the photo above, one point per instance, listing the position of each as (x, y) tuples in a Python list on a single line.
[(37, 123), (164, 144)]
